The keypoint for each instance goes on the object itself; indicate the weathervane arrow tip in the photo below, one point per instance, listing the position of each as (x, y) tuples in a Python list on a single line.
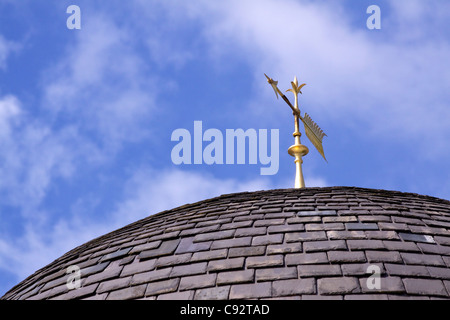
[(273, 84)]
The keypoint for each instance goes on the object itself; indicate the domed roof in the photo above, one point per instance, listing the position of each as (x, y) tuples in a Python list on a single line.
[(313, 243)]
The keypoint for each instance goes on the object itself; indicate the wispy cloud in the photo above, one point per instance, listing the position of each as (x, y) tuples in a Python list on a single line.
[(393, 88), (102, 85), (6, 48), (32, 155)]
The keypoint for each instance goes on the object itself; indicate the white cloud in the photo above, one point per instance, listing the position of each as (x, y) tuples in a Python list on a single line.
[(101, 83), (6, 48), (392, 88), (9, 112), (32, 155)]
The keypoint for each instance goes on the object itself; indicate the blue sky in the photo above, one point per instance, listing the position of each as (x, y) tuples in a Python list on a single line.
[(86, 116)]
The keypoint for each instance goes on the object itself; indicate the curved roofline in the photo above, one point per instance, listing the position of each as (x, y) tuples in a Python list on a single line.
[(73, 253)]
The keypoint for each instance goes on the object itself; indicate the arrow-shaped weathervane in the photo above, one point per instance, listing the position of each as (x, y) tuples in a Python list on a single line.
[(312, 130)]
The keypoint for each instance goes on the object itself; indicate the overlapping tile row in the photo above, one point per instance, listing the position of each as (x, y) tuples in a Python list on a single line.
[(315, 243)]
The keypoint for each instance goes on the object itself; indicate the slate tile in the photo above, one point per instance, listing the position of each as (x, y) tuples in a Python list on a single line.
[(382, 235), (264, 261), (216, 293), (422, 259), (188, 245), (286, 228), (231, 277), (112, 271), (346, 235), (97, 297), (305, 236), (447, 261), (136, 267), (183, 295), (320, 213), (114, 284), (306, 258), (245, 232), (267, 274), (284, 248), (341, 285), (94, 269), (360, 269), (167, 261), (151, 276), (434, 248), (442, 240), (393, 226), (225, 234), (166, 236), (209, 255), (164, 286), (251, 291), (406, 270), (346, 256), (268, 239), (324, 226), (365, 244), (237, 224), (440, 273), (447, 285), (354, 226), (310, 297), (246, 251), (127, 293), (197, 230), (416, 237), (339, 219), (387, 285), (407, 297), (197, 282), (293, 287), (189, 269), (425, 287), (78, 293), (408, 221), (230, 243), (266, 223), (324, 245), (383, 256), (301, 220), (166, 248), (116, 255), (318, 270), (212, 222), (372, 297), (377, 216), (429, 230), (225, 264), (401, 246)]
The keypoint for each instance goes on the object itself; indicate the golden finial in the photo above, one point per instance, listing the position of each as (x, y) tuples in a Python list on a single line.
[(312, 130)]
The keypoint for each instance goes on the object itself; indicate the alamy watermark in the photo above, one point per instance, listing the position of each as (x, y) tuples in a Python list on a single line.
[(74, 278), (374, 281), (74, 20), (374, 20), (228, 148)]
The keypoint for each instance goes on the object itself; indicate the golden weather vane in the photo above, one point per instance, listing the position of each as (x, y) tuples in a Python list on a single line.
[(312, 130)]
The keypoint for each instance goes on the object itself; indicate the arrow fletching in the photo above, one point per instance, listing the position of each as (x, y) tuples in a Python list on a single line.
[(314, 133)]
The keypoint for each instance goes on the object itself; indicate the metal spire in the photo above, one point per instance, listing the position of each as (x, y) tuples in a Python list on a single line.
[(312, 130)]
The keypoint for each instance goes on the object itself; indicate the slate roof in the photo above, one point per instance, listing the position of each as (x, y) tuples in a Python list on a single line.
[(313, 243)]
